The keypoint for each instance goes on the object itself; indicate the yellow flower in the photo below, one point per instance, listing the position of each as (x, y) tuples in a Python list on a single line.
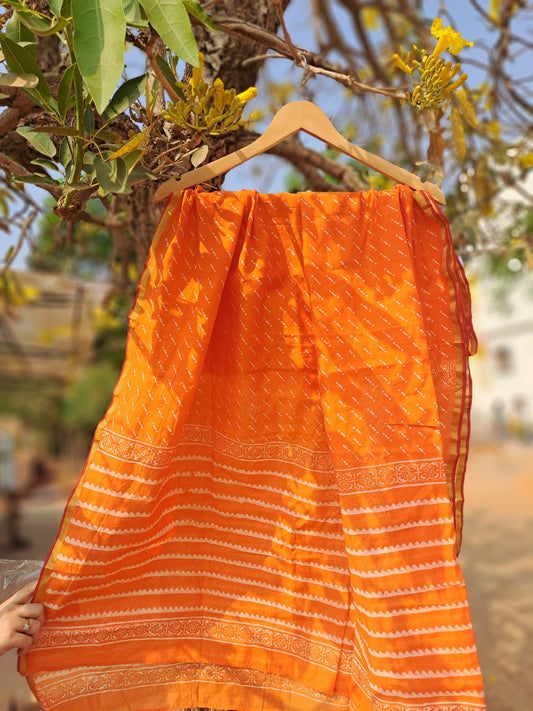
[(449, 72), (448, 39), (245, 96), (218, 98), (398, 61), (457, 83), (198, 71)]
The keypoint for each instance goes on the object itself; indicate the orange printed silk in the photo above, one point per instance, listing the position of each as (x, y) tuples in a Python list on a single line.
[(269, 514)]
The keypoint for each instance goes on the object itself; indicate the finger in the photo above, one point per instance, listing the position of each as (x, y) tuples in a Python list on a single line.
[(32, 626), (23, 643), (36, 631), (41, 616), (25, 626), (24, 594), (32, 610)]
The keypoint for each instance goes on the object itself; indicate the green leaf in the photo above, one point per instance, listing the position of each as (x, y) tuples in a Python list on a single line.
[(61, 8), (199, 155), (171, 21), (65, 153), (18, 32), (131, 159), (78, 185), (165, 69), (39, 24), (99, 35), (61, 131), (88, 120), (45, 163), (108, 136), (55, 7), (88, 164), (140, 173), (193, 8), (36, 22), (63, 91), (20, 61), (40, 141), (23, 81), (168, 74), (124, 97), (132, 10), (15, 4), (154, 94), (112, 175), (35, 179)]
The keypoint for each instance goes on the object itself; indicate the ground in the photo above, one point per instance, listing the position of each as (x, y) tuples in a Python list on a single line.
[(497, 561)]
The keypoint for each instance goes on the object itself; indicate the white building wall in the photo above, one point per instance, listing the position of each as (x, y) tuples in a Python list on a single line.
[(502, 371)]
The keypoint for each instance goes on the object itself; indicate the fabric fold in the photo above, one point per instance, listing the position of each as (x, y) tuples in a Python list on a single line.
[(268, 517)]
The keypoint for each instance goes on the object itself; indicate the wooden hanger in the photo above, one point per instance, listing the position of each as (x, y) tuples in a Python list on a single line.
[(291, 118)]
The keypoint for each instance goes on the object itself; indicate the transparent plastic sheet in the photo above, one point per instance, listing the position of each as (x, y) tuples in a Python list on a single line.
[(15, 574)]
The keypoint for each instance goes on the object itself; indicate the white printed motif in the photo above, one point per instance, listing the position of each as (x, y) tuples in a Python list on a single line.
[(265, 520)]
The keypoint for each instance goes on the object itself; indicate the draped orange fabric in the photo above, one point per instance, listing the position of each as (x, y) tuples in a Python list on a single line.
[(268, 516)]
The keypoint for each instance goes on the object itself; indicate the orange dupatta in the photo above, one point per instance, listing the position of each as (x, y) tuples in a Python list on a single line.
[(266, 518)]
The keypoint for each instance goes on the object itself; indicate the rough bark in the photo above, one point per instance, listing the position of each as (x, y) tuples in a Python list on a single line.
[(224, 55)]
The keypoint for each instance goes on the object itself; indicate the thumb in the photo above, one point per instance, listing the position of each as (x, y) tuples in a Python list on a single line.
[(24, 594)]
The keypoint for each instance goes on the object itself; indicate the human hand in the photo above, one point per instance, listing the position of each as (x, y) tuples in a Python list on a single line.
[(20, 621)]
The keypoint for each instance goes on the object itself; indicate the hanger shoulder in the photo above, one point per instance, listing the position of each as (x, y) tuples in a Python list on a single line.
[(291, 118), (317, 124)]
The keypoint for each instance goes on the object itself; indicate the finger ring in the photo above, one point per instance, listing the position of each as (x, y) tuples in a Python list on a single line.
[(26, 626)]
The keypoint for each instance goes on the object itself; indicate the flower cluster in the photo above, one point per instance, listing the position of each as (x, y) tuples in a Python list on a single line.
[(438, 78), (209, 109)]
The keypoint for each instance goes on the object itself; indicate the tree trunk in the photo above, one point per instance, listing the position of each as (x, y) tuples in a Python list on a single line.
[(225, 57)]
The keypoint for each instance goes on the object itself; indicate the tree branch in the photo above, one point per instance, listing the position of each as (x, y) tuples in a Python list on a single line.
[(20, 105), (296, 57), (314, 63), (17, 169), (25, 227), (9, 164)]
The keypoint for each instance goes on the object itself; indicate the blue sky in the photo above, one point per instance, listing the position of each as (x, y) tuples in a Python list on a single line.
[(265, 173)]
